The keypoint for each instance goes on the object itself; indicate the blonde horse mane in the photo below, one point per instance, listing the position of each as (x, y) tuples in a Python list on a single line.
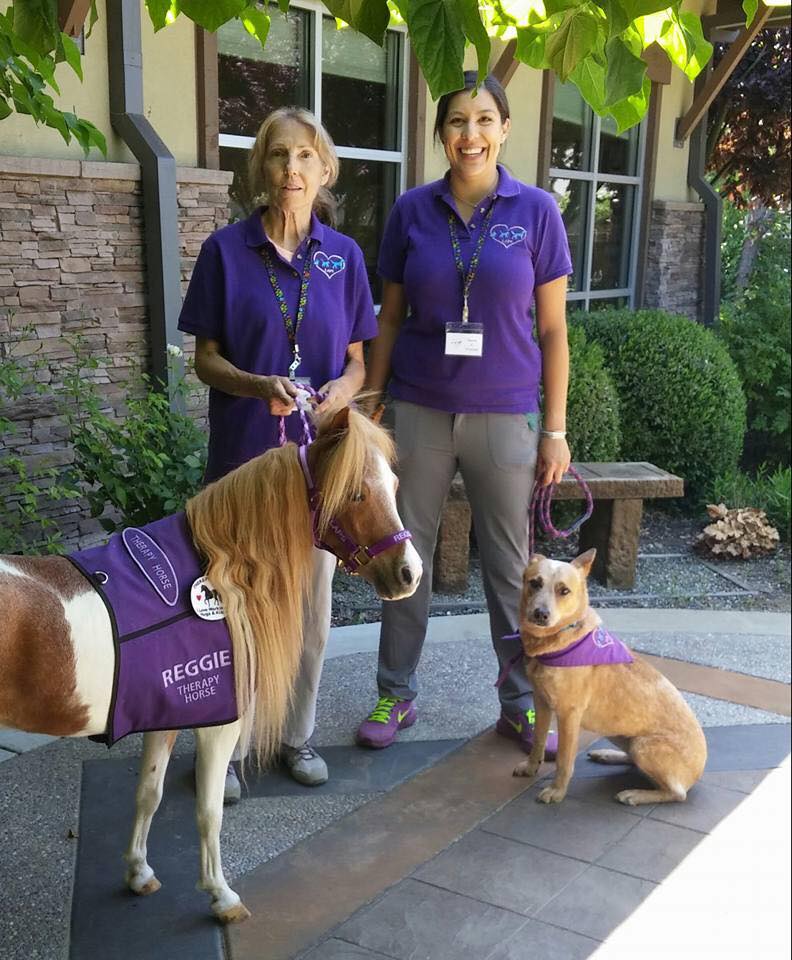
[(254, 528)]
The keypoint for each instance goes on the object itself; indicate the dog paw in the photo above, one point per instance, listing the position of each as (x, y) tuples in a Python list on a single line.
[(527, 768), (628, 798), (551, 795)]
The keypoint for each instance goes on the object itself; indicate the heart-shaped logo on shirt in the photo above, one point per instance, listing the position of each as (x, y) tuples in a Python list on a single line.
[(508, 236), (330, 264)]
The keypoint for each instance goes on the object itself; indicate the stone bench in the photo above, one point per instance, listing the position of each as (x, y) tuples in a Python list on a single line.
[(619, 490)]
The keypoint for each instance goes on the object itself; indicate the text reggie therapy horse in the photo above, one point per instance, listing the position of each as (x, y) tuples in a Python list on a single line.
[(253, 534)]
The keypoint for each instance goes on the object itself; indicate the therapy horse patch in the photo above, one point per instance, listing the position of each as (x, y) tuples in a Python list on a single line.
[(174, 663)]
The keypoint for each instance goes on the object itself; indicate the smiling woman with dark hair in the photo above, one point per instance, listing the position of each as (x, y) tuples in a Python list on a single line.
[(275, 301), (463, 261)]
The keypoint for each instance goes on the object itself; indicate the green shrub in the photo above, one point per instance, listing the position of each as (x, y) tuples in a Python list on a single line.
[(593, 427), (756, 328), (144, 465), (768, 490), (682, 404)]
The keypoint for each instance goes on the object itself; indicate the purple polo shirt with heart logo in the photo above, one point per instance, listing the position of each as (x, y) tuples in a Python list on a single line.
[(524, 247), (230, 299)]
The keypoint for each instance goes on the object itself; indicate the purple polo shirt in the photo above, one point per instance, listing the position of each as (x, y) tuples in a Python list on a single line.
[(525, 246), (230, 299)]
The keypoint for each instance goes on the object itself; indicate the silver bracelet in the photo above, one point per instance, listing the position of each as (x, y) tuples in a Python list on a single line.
[(553, 434)]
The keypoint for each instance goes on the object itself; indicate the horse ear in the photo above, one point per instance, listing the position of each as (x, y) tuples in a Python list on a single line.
[(340, 421), (377, 415)]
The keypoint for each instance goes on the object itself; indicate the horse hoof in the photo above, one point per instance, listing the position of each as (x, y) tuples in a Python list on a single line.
[(235, 914), (150, 886)]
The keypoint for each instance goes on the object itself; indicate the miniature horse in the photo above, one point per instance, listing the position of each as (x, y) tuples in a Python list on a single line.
[(256, 529)]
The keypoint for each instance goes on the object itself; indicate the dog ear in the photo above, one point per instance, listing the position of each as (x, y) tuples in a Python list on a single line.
[(584, 561)]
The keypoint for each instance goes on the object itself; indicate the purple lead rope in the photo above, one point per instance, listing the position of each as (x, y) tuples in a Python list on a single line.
[(307, 438), (539, 512)]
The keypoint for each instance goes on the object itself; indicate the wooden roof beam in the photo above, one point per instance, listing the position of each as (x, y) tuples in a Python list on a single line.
[(72, 14), (504, 69), (701, 103)]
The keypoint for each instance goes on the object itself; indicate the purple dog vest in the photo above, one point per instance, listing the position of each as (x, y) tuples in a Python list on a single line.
[(173, 668), (592, 650)]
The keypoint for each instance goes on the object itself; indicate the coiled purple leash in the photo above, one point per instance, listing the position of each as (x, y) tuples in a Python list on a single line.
[(539, 512), (306, 438)]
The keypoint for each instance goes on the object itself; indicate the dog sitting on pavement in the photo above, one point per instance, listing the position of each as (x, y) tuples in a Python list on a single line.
[(591, 679)]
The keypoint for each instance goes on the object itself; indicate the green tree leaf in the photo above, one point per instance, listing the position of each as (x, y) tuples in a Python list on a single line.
[(5, 109), (158, 11), (624, 74), (369, 17), (589, 77), (531, 48), (476, 33), (750, 7), (643, 8), (212, 14), (632, 109), (256, 22), (574, 39), (71, 53), (36, 23), (439, 44)]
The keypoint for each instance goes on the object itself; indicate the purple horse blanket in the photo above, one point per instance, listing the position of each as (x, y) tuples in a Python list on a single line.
[(174, 662)]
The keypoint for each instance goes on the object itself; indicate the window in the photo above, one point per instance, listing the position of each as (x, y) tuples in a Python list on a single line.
[(595, 175), (356, 88)]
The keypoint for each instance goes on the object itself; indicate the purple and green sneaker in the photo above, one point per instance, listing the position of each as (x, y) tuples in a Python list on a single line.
[(520, 726), (390, 715)]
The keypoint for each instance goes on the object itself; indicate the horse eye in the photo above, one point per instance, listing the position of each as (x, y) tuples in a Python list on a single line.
[(358, 497), (536, 583)]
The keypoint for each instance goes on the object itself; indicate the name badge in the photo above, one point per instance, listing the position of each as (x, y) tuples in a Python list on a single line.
[(464, 339)]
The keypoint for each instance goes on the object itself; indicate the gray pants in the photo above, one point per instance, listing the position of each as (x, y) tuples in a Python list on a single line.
[(316, 630), (496, 455)]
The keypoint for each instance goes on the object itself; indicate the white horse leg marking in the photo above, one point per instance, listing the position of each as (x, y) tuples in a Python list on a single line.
[(215, 746), (157, 748), (94, 656)]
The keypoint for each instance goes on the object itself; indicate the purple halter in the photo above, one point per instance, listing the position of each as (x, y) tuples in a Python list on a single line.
[(357, 555), (540, 511)]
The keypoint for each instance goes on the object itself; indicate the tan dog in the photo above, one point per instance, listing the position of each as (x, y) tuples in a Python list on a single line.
[(632, 704)]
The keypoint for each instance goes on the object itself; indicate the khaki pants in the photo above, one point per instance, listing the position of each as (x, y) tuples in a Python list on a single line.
[(496, 455)]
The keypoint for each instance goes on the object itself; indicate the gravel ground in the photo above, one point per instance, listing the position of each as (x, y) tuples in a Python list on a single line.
[(669, 574)]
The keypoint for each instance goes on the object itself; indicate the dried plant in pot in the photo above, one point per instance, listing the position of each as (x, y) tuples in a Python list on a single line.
[(736, 534)]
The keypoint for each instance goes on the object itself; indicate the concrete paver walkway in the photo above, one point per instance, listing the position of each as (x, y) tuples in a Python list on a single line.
[(456, 861)]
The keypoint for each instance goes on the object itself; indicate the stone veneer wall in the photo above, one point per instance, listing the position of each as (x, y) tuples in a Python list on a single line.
[(675, 260), (72, 261)]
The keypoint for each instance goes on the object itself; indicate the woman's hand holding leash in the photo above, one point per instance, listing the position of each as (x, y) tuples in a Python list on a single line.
[(279, 392), (552, 461), (336, 394)]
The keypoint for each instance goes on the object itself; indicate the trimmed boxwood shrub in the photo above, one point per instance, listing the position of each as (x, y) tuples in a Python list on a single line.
[(682, 403), (593, 428)]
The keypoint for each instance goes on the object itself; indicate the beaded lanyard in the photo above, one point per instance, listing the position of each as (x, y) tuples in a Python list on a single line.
[(292, 326), (467, 278)]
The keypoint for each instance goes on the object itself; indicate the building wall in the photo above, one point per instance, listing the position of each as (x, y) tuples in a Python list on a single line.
[(170, 106), (72, 262), (675, 258)]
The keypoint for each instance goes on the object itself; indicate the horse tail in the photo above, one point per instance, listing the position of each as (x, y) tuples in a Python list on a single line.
[(254, 528)]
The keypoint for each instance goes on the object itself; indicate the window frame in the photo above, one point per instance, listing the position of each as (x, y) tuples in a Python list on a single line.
[(317, 11), (586, 295)]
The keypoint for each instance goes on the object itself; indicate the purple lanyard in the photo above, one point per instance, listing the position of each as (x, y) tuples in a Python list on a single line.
[(292, 325), (468, 275)]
